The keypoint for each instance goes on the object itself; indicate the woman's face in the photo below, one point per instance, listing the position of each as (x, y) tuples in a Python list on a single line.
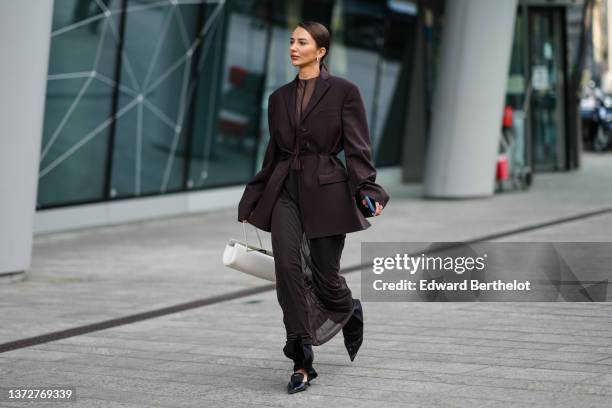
[(303, 48)]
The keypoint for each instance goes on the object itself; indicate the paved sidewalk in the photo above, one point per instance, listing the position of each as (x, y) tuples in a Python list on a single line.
[(230, 354), (97, 274)]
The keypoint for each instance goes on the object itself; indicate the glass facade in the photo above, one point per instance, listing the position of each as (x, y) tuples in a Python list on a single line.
[(79, 105), (548, 75), (155, 97), (537, 86)]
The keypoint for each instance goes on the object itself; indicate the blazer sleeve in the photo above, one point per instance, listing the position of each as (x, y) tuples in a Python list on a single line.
[(256, 185), (357, 149)]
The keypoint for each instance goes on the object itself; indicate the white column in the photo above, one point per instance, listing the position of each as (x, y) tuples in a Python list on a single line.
[(469, 98), (25, 33)]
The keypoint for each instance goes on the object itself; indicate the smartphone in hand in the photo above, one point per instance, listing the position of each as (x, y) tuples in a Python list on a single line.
[(371, 204)]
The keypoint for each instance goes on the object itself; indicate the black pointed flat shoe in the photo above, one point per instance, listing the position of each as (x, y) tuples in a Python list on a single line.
[(297, 383), (353, 331)]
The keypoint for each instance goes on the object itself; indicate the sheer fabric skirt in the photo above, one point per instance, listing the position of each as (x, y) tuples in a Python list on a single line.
[(315, 299)]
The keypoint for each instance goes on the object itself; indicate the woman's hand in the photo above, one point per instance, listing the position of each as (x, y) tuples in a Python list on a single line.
[(379, 207)]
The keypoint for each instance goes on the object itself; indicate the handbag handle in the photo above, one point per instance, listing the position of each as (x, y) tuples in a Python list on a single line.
[(245, 238)]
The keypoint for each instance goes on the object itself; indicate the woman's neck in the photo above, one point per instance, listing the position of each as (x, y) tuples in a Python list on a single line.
[(308, 72)]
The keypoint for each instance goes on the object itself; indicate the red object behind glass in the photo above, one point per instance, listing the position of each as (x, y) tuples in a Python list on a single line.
[(507, 121)]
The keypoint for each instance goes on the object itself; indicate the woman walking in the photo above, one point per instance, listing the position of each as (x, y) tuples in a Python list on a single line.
[(309, 200)]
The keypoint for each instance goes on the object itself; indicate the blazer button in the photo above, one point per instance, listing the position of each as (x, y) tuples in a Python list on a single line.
[(303, 129)]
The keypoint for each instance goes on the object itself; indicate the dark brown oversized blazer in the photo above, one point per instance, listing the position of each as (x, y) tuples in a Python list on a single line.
[(334, 119)]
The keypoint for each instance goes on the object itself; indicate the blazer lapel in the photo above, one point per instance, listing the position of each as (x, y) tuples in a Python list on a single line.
[(321, 86)]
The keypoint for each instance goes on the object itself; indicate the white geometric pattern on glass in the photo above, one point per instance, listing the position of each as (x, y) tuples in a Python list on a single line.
[(138, 90)]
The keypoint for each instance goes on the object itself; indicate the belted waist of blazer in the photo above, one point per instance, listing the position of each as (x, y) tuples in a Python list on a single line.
[(296, 163)]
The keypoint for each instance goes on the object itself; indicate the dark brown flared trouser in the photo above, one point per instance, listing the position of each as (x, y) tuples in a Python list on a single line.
[(314, 297)]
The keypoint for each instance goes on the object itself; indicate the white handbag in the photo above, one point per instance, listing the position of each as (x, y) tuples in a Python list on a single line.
[(250, 259)]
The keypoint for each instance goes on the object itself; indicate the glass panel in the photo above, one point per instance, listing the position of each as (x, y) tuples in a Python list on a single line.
[(157, 75), (547, 96), (78, 107), (434, 24), (372, 46), (228, 109), (358, 36), (393, 75), (514, 142)]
